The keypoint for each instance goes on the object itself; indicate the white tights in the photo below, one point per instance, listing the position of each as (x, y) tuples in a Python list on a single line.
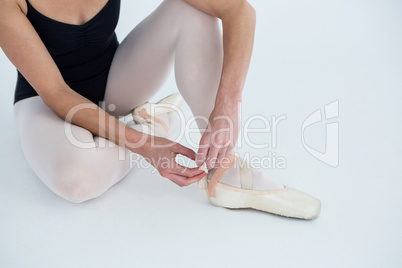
[(175, 33)]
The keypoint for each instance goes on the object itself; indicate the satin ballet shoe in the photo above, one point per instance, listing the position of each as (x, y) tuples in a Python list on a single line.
[(286, 202), (147, 114)]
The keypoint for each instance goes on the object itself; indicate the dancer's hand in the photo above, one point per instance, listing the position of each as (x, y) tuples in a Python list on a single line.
[(221, 135), (161, 153)]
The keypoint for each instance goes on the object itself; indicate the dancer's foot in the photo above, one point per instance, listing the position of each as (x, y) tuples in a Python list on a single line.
[(162, 118), (246, 192)]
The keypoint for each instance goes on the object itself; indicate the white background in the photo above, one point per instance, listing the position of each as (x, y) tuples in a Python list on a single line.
[(307, 54)]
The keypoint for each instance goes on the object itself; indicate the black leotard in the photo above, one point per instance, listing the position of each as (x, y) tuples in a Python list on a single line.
[(83, 53)]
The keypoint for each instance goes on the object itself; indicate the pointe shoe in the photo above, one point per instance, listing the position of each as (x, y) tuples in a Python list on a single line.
[(147, 114), (286, 202)]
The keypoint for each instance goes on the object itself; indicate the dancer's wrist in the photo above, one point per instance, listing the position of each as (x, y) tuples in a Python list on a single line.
[(228, 96), (136, 141), (228, 101)]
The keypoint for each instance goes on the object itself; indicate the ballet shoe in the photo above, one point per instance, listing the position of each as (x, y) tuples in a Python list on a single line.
[(285, 202), (147, 114)]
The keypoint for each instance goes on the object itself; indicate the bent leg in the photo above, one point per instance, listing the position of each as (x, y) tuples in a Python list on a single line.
[(174, 32), (177, 32), (74, 173)]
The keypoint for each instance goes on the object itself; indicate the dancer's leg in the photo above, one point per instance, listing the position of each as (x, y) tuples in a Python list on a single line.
[(74, 173), (174, 31)]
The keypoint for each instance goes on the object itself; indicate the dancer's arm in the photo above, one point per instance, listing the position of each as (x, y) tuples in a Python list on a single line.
[(238, 23), (24, 48)]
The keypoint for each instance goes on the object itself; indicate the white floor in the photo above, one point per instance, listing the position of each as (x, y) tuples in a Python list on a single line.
[(307, 54)]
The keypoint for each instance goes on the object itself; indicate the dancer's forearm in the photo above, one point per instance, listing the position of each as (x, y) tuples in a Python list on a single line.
[(74, 108), (238, 21), (238, 39)]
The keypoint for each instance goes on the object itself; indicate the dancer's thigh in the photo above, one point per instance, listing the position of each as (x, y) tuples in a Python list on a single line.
[(144, 59), (76, 166)]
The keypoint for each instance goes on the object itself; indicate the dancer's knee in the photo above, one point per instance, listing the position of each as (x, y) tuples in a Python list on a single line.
[(189, 15), (77, 182), (76, 187)]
